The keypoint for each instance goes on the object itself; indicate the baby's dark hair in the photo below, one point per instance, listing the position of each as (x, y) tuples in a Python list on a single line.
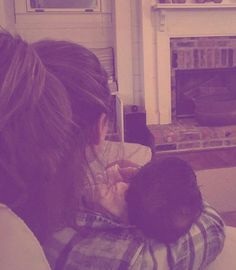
[(163, 199)]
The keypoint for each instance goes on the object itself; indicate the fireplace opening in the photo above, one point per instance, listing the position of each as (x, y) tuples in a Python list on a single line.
[(203, 79), (203, 86)]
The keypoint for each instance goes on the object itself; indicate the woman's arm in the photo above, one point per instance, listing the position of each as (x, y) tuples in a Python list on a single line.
[(200, 245), (121, 170), (193, 251)]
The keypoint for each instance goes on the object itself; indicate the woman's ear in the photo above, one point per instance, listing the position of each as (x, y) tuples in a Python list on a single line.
[(102, 128)]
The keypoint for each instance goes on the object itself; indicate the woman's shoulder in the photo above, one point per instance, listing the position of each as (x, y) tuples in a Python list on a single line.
[(19, 248), (3, 206), (8, 219)]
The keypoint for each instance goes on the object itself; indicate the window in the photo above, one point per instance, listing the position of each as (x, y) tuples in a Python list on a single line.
[(60, 5)]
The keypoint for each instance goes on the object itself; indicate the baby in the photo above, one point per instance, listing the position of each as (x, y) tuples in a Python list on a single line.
[(162, 199)]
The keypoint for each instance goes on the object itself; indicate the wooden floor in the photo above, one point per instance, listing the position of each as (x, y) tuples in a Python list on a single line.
[(207, 159), (229, 218)]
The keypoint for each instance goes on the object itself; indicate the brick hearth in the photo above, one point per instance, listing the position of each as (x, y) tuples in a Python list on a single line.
[(188, 135)]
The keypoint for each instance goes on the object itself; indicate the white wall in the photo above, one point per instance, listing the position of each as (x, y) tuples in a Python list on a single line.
[(136, 60), (123, 49), (7, 18), (128, 45), (93, 30), (137, 14)]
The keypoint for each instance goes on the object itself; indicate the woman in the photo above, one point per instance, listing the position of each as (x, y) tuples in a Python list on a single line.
[(54, 108), (44, 125)]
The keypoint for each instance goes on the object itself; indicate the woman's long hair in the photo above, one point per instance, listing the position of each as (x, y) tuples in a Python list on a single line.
[(52, 94)]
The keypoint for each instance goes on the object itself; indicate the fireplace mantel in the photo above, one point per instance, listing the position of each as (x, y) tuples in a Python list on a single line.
[(169, 21), (193, 6)]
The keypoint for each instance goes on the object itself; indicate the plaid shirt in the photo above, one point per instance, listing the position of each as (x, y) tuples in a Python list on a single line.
[(99, 242)]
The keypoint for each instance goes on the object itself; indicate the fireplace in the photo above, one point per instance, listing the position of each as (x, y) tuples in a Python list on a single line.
[(165, 22), (192, 58)]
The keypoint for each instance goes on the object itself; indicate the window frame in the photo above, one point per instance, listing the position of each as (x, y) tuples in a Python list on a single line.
[(29, 8)]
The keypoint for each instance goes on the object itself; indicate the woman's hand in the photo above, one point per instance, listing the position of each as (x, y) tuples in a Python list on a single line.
[(110, 194), (121, 170), (112, 198)]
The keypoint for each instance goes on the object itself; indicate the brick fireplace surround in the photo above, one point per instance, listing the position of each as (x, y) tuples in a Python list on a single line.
[(188, 135), (197, 42)]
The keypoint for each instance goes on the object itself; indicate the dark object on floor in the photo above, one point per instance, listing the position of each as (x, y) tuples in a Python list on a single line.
[(229, 218), (135, 128)]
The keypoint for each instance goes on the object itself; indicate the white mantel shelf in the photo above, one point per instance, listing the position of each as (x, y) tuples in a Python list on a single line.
[(193, 6)]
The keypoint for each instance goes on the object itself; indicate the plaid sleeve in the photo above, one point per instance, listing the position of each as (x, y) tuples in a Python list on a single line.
[(55, 245), (200, 245)]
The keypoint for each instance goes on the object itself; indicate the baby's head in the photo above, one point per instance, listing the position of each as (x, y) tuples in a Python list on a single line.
[(163, 199)]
